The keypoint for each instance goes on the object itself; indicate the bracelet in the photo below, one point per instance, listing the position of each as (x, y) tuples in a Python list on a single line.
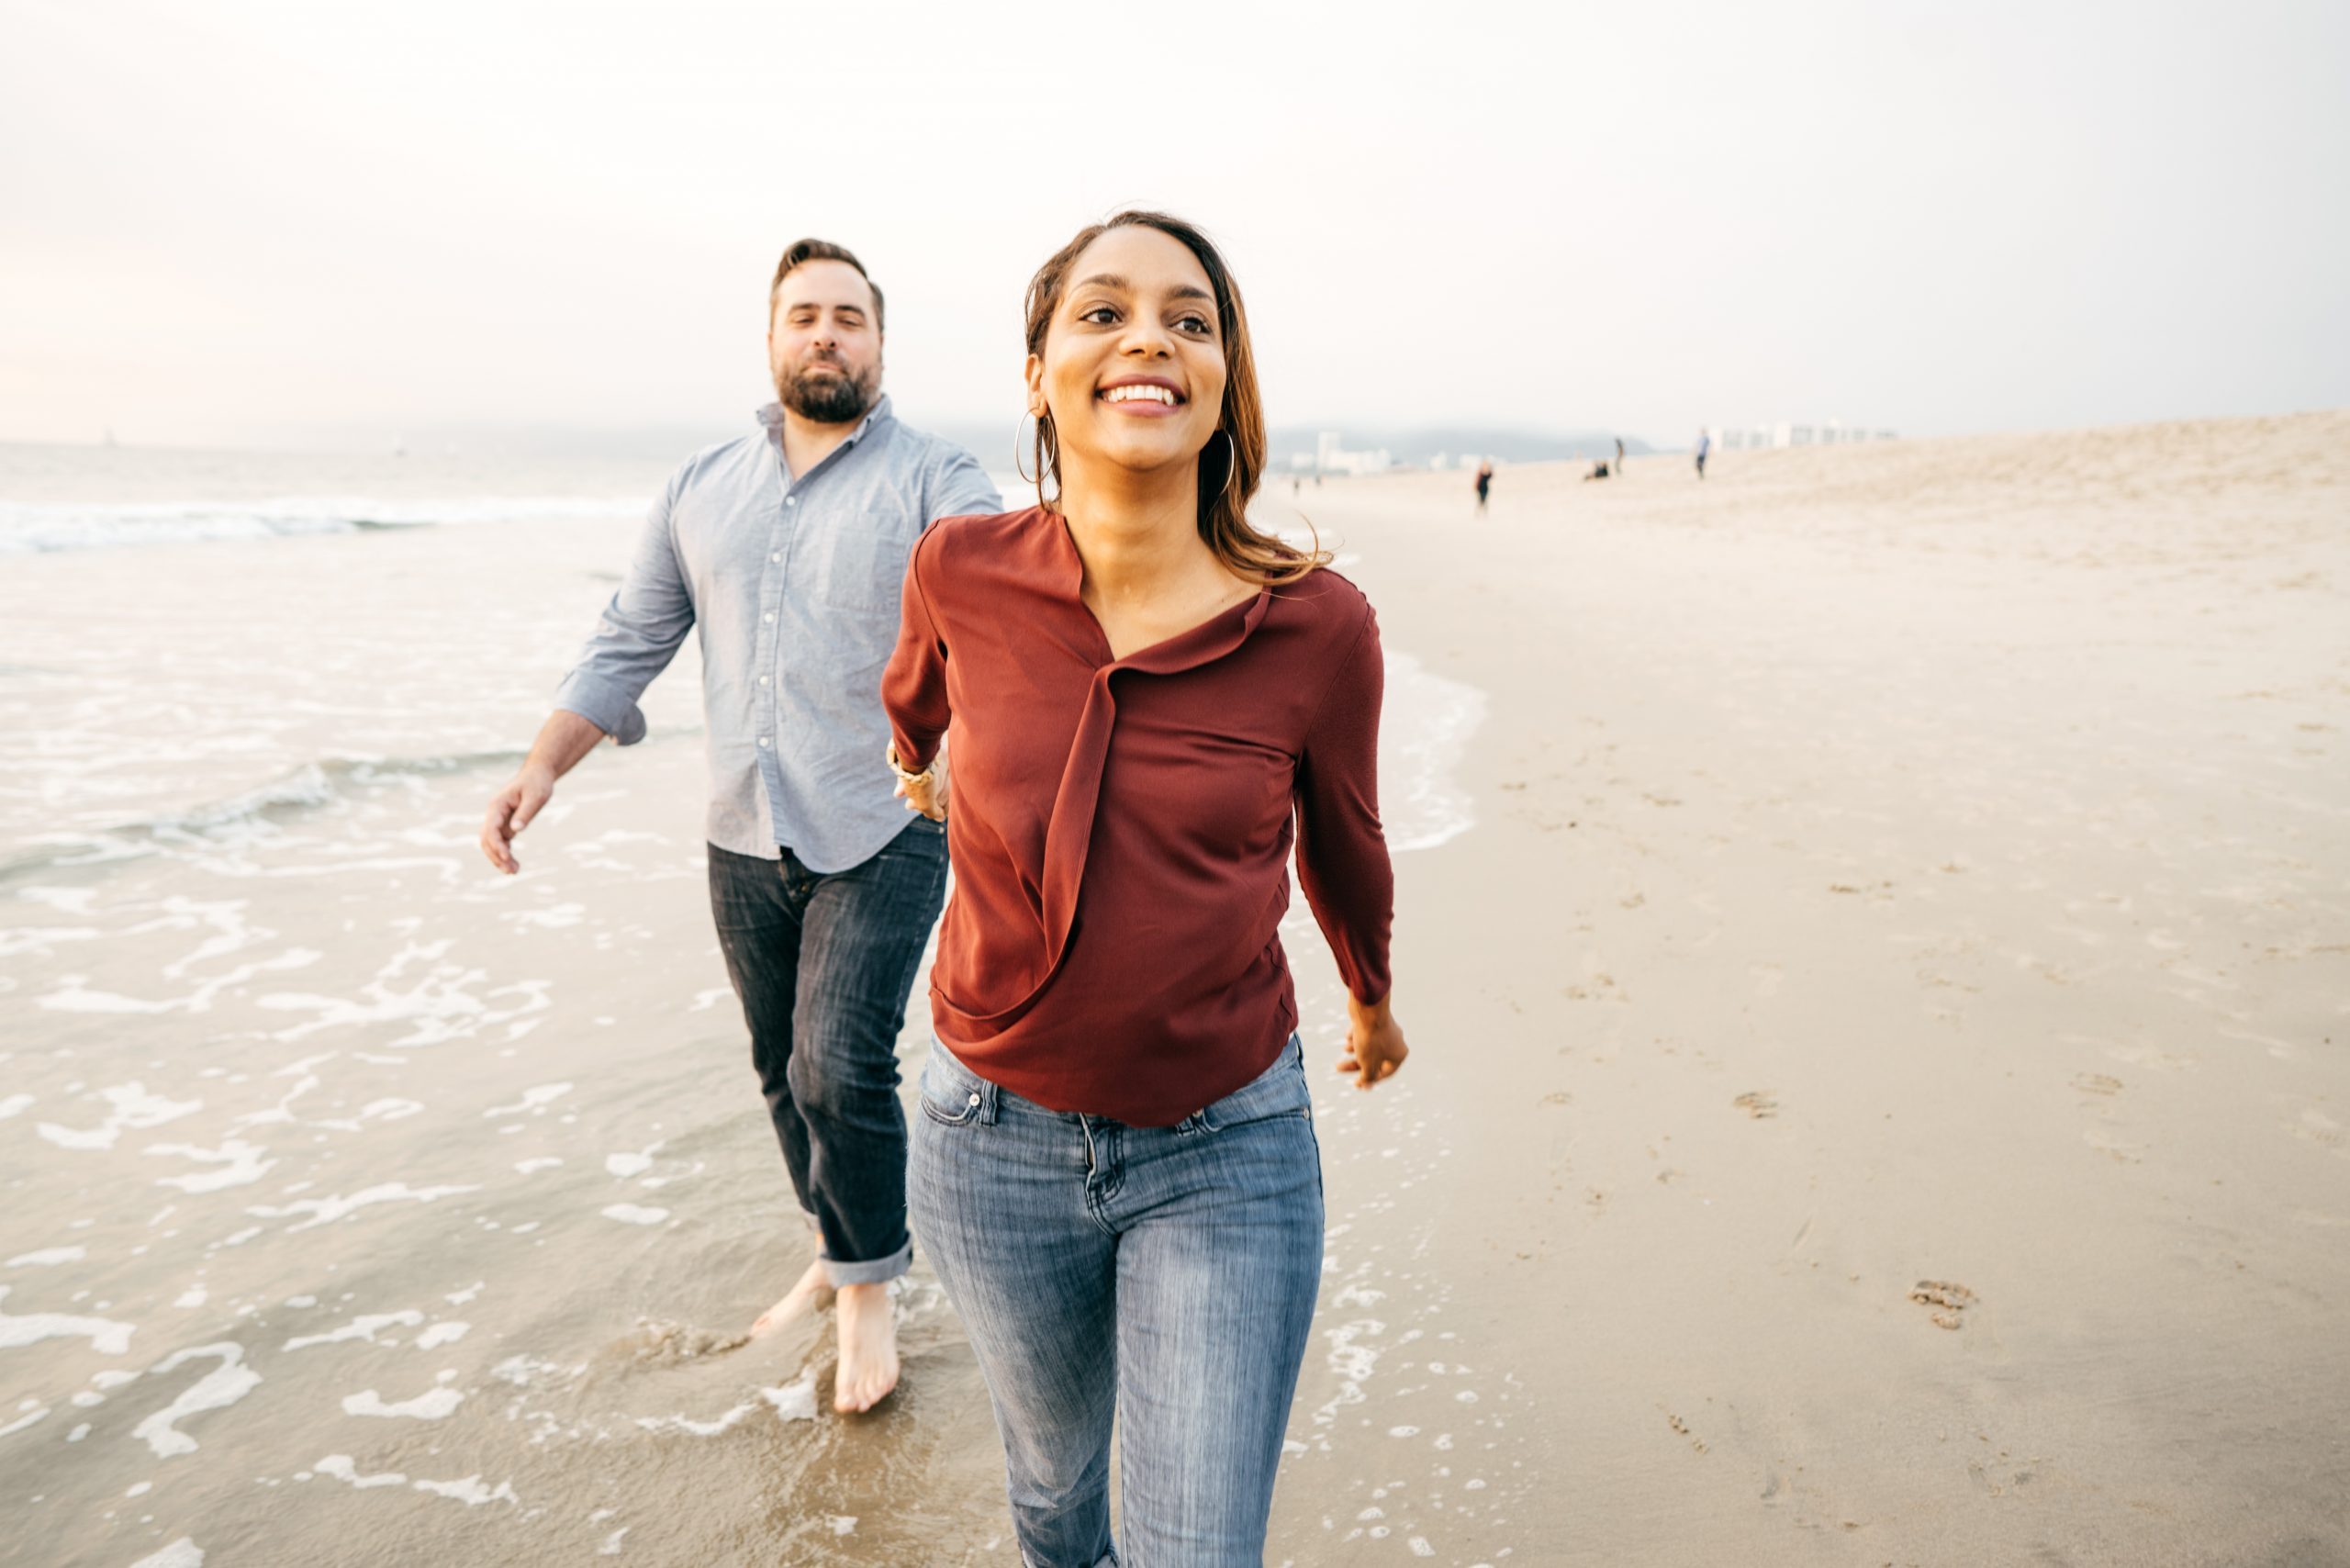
[(904, 777)]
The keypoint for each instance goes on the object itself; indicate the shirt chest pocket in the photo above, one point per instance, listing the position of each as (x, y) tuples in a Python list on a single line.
[(856, 564)]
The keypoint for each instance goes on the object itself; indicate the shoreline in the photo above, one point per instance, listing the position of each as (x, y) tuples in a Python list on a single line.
[(1906, 886)]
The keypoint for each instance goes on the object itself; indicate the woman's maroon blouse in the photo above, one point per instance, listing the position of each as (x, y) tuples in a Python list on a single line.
[(1121, 828)]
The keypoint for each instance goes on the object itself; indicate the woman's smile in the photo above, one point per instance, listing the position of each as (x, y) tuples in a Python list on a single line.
[(1145, 397)]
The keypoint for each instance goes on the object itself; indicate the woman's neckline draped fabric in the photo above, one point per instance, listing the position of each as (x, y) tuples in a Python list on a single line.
[(1079, 796)]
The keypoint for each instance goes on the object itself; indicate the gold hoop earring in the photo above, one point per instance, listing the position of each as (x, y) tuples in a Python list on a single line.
[(1045, 462), (1019, 428)]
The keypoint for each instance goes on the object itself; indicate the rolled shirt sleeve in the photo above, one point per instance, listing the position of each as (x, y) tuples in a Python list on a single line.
[(639, 634), (1342, 860)]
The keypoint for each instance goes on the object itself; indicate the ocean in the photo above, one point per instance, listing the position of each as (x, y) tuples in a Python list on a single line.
[(367, 1207)]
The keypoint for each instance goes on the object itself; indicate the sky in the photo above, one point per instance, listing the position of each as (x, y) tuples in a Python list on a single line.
[(251, 223)]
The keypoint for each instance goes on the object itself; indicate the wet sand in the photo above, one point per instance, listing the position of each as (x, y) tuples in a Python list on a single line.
[(1878, 1093)]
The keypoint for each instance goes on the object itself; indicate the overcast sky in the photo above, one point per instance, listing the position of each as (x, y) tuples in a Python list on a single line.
[(241, 222)]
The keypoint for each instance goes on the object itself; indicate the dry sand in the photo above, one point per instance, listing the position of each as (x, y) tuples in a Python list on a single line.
[(1895, 1011), (1879, 1089)]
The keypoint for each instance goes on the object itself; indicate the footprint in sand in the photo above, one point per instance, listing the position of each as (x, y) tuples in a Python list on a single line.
[(2113, 1146), (1948, 1299), (2102, 1139), (2321, 1129), (1758, 1103), (1681, 1429)]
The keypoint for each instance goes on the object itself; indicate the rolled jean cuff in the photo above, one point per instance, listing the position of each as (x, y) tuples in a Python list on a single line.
[(877, 1270)]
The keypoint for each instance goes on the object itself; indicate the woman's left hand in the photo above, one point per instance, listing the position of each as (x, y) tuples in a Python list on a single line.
[(1375, 1047)]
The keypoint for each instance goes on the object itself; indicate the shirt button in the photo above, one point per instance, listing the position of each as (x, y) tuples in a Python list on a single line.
[(791, 500), (768, 616), (776, 556), (763, 741), (762, 680)]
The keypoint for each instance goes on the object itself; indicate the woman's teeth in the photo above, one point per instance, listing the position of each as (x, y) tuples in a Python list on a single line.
[(1132, 394)]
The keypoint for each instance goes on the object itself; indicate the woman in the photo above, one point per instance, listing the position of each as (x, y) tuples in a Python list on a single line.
[(1114, 1171)]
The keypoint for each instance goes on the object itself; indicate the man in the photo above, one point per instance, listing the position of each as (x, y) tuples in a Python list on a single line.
[(788, 548)]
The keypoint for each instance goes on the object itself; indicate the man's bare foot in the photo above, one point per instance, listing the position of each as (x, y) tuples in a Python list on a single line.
[(811, 1295), (868, 1364)]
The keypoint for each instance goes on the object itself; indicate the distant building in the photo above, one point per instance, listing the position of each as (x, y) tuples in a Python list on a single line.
[(1834, 432), (1331, 457)]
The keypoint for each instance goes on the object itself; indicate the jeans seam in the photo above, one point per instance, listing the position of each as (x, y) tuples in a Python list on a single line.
[(1093, 1209), (1103, 1179)]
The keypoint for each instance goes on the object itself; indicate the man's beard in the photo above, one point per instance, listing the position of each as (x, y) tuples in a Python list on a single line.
[(827, 400)]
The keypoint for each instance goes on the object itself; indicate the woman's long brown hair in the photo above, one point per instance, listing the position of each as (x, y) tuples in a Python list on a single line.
[(1226, 485)]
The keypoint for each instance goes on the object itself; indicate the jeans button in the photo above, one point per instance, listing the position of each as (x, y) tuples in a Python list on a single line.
[(974, 1100)]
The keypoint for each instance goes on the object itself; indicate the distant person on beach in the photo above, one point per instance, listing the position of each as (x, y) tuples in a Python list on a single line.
[(788, 548), (1115, 1169), (1704, 445), (1484, 482), (1620, 454), (1599, 471)]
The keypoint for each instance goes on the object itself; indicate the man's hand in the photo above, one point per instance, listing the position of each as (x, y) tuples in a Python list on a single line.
[(510, 810), (563, 740), (1375, 1047)]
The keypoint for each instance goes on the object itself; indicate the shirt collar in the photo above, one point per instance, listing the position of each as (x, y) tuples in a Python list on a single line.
[(770, 420)]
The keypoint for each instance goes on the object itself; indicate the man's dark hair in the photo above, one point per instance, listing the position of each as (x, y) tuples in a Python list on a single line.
[(801, 250)]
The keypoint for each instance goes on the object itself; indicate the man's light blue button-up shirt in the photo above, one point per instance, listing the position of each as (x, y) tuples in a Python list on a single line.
[(792, 585)]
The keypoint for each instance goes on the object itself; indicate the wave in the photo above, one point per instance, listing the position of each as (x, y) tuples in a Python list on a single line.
[(1423, 737), (29, 528), (307, 789)]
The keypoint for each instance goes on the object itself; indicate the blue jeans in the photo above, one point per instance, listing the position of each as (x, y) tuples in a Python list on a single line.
[(1164, 1276), (822, 962)]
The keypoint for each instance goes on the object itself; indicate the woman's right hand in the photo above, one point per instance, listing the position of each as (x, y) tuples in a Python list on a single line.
[(927, 794)]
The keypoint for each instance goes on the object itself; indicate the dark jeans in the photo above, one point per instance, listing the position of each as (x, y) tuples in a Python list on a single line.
[(822, 962)]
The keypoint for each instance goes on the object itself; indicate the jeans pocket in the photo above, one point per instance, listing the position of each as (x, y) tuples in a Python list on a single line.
[(960, 1115), (950, 1098)]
